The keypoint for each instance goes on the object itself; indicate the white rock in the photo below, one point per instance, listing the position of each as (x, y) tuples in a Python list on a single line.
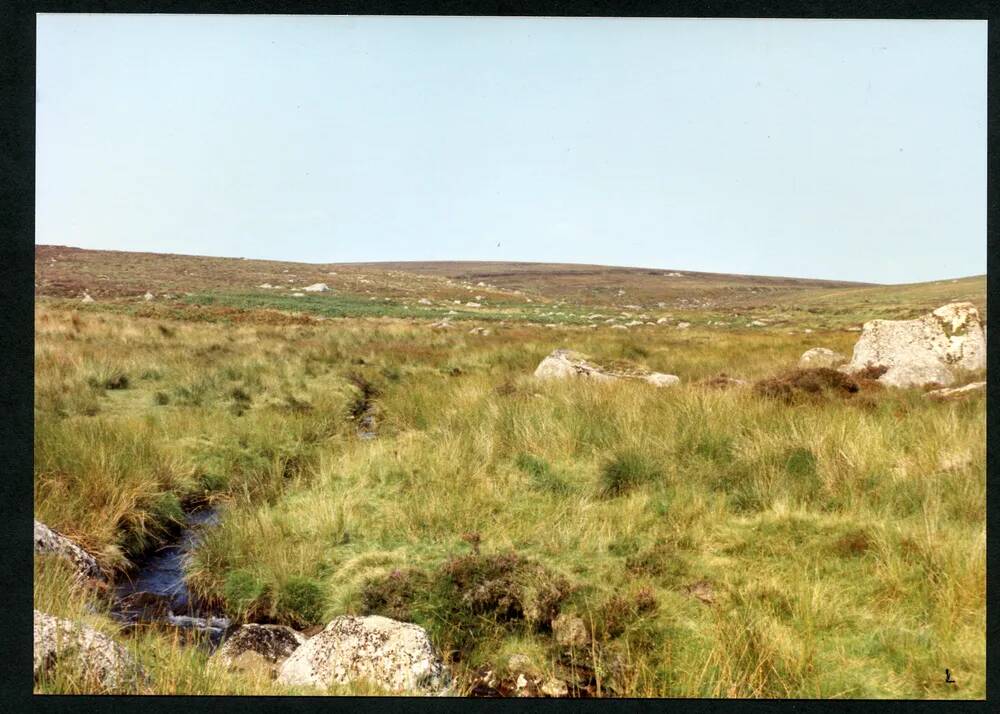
[(931, 348), (91, 652), (821, 357), (683, 325), (266, 286), (619, 327), (298, 294), (317, 288), (424, 301), (48, 541), (662, 321), (472, 304), (658, 379), (87, 298), (397, 656), (957, 392), (148, 296)]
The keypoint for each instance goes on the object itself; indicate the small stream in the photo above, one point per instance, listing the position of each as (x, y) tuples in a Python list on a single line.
[(157, 593)]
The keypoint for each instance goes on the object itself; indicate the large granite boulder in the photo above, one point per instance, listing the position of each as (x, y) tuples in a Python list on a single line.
[(48, 542), (91, 653), (564, 364), (396, 656), (930, 349)]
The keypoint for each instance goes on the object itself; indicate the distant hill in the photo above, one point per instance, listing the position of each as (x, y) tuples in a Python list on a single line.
[(65, 271)]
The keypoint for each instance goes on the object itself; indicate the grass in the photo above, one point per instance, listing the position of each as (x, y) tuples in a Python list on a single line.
[(717, 543)]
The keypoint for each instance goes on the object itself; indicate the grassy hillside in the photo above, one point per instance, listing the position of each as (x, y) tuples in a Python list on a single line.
[(716, 542)]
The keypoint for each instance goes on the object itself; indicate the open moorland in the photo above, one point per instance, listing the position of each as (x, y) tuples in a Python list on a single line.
[(382, 447)]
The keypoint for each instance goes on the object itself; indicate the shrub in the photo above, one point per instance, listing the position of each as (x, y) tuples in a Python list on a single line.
[(802, 384), (626, 470), (301, 600), (243, 592)]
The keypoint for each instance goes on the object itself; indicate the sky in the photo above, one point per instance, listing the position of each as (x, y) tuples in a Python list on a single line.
[(851, 150)]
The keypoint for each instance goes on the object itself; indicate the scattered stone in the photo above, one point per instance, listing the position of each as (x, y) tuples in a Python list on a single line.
[(298, 294), (484, 331), (94, 653), (702, 590), (662, 321), (929, 349), (148, 296), (424, 301), (683, 325), (555, 688), (758, 323), (570, 631), (397, 656), (821, 357), (619, 327), (48, 541), (259, 648), (658, 379), (317, 288), (472, 304), (266, 286), (87, 298), (442, 324), (957, 392)]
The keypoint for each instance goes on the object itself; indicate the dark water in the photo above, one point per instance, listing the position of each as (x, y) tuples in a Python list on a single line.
[(157, 591)]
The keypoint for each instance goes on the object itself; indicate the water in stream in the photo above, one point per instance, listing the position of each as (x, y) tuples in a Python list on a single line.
[(157, 592)]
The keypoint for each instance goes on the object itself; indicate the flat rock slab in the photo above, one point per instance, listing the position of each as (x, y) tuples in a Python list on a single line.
[(565, 364)]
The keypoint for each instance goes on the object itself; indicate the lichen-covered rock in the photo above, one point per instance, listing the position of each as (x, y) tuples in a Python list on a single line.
[(929, 349), (570, 631), (397, 656), (47, 541), (260, 648), (95, 655), (563, 364), (821, 357)]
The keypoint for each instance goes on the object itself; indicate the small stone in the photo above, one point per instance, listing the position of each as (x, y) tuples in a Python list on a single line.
[(570, 631)]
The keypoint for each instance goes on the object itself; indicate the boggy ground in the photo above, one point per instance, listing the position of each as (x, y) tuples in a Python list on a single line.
[(717, 542)]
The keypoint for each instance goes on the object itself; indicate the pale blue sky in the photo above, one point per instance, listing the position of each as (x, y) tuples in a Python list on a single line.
[(832, 149)]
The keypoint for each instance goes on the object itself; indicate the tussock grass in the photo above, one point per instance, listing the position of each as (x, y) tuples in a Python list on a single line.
[(717, 542)]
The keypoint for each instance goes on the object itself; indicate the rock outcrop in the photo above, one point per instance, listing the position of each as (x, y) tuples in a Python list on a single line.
[(48, 542), (259, 648), (821, 357), (563, 364), (93, 654), (396, 656), (929, 349)]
